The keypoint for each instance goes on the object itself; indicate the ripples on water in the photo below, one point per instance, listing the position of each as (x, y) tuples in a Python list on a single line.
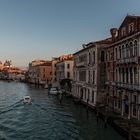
[(45, 118)]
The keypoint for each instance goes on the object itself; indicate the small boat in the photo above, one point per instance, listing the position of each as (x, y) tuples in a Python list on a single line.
[(27, 100), (53, 91), (46, 86)]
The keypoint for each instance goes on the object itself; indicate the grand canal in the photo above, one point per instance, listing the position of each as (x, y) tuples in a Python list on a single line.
[(45, 118)]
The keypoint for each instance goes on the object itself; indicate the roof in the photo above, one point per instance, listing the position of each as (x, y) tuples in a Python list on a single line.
[(93, 44), (129, 17)]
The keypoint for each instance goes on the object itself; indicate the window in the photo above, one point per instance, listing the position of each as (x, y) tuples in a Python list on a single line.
[(93, 78), (123, 51), (131, 76), (134, 104), (126, 75), (108, 56), (116, 75), (93, 57), (82, 76), (135, 75), (131, 27), (119, 74), (68, 66), (88, 76), (123, 31), (134, 98), (131, 49), (89, 58), (120, 52), (102, 56), (115, 102), (123, 75), (135, 48), (119, 104), (92, 96), (68, 74), (88, 94), (127, 51), (116, 52), (134, 110)]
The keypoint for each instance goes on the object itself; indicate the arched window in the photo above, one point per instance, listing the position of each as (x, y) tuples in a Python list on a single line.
[(93, 57), (102, 56), (116, 53), (116, 75), (127, 51), (120, 52), (123, 53), (135, 48), (88, 94), (89, 58), (92, 96), (93, 77), (131, 49), (135, 75), (88, 76)]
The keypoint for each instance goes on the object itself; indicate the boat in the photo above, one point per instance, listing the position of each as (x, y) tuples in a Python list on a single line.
[(53, 91), (46, 86), (27, 100)]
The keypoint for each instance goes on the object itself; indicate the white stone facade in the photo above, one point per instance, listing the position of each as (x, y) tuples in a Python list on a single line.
[(64, 70)]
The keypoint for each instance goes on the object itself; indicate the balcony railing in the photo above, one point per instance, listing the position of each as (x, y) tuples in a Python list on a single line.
[(127, 60), (128, 86), (80, 64)]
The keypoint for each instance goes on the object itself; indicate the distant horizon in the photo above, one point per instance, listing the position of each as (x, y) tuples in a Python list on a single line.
[(42, 29)]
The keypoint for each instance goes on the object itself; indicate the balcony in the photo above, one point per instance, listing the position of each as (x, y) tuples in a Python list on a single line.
[(134, 87), (132, 60), (81, 64), (120, 61), (127, 61)]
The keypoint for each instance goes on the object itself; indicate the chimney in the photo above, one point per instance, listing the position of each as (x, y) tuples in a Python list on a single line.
[(114, 33)]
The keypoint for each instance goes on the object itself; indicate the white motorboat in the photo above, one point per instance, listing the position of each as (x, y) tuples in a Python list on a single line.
[(53, 91), (27, 100)]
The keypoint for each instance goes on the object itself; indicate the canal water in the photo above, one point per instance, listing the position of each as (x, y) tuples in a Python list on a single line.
[(45, 118)]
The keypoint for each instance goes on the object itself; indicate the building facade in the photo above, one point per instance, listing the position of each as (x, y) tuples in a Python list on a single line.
[(40, 72), (64, 70), (54, 62), (123, 68), (90, 73)]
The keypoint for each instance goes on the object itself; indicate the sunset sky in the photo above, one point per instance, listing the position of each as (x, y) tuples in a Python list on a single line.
[(41, 29)]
